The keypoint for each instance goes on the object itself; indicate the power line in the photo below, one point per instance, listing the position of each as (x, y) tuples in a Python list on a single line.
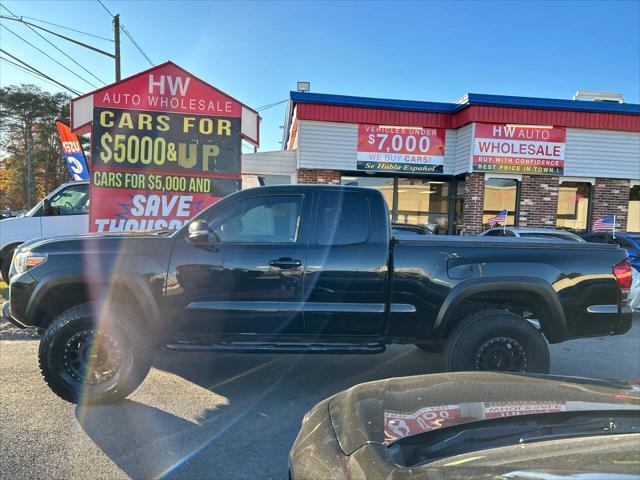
[(271, 105), (136, 45), (107, 10), (69, 28), (27, 71), (39, 72), (57, 48), (126, 32), (48, 56)]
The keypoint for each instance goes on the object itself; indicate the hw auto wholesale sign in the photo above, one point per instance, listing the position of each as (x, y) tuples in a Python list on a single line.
[(383, 148), (519, 149), (165, 145)]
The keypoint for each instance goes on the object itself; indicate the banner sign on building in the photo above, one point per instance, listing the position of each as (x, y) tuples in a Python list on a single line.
[(165, 145), (519, 149), (72, 152), (383, 148)]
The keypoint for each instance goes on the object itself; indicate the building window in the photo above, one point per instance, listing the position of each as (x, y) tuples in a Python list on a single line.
[(633, 215), (423, 202), (573, 206), (385, 185), (500, 194), (458, 206), (410, 200)]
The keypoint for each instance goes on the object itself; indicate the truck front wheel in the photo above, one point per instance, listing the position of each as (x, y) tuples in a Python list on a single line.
[(496, 340), (94, 355)]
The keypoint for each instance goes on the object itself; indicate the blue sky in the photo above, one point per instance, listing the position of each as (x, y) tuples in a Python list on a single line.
[(256, 51)]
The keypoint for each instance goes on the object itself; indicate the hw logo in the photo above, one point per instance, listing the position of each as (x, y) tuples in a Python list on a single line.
[(167, 82)]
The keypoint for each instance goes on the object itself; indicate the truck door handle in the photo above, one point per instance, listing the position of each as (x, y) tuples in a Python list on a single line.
[(285, 263)]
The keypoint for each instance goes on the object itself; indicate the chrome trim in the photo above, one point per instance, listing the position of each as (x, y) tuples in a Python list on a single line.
[(402, 308), (604, 309), (275, 307)]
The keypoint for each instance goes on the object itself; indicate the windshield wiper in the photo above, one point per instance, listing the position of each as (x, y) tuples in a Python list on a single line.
[(481, 435)]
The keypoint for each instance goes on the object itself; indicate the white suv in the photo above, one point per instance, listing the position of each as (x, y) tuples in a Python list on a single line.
[(64, 211)]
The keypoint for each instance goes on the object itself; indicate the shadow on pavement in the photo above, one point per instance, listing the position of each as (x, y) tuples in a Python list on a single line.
[(249, 409)]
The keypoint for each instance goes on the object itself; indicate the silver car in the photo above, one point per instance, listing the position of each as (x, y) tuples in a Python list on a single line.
[(532, 232)]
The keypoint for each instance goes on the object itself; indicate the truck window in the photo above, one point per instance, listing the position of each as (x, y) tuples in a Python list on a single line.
[(342, 219), (274, 219), (73, 200)]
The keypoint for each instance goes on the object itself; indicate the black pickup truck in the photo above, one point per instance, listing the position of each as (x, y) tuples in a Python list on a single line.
[(305, 268)]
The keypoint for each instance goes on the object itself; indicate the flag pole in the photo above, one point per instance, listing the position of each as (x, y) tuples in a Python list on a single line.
[(504, 225), (614, 226)]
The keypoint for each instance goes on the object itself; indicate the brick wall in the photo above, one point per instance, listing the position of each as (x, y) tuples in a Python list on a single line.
[(473, 203), (611, 197), (306, 175), (538, 201)]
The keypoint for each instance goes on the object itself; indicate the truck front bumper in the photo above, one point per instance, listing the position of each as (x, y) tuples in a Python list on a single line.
[(5, 314)]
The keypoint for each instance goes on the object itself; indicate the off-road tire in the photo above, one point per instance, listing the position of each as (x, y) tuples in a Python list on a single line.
[(5, 264), (135, 353), (474, 342)]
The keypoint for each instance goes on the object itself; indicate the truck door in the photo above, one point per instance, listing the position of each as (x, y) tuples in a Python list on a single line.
[(346, 273), (248, 279), (69, 213)]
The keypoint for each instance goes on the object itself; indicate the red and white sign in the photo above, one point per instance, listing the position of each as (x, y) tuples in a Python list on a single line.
[(401, 425), (164, 144), (385, 148), (519, 149), (170, 89), (165, 88), (136, 210)]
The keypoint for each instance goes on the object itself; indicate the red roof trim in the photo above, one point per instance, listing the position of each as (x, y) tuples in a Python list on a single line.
[(473, 113)]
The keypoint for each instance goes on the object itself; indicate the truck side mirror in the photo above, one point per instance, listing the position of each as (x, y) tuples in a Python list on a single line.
[(199, 231)]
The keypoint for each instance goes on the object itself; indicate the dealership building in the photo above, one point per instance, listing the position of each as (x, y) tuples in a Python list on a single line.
[(453, 166)]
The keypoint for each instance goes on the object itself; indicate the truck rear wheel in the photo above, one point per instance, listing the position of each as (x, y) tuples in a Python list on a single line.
[(94, 355), (496, 340)]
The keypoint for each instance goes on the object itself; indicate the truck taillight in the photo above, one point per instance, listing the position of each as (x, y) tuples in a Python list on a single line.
[(622, 272)]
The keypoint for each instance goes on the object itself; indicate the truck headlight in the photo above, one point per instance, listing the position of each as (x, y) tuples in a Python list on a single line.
[(23, 261)]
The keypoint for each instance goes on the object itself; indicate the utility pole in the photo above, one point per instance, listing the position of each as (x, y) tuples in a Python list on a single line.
[(116, 39)]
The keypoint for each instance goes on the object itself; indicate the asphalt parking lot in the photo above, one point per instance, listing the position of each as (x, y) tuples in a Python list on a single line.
[(215, 415)]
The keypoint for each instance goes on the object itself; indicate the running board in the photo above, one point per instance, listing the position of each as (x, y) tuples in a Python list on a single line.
[(272, 347)]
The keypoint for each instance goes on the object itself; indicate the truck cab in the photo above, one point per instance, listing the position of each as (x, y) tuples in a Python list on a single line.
[(65, 211)]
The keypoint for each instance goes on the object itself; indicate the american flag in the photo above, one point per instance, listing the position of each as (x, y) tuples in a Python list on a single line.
[(605, 224), (501, 217)]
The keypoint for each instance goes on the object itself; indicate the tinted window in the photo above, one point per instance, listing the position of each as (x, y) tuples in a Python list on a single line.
[(494, 233), (595, 239), (73, 200), (342, 219), (623, 242), (259, 220)]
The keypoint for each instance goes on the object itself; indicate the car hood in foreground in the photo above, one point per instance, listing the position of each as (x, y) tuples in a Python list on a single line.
[(385, 411)]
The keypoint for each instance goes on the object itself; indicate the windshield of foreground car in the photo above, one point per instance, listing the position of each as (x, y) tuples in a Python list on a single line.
[(518, 430)]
